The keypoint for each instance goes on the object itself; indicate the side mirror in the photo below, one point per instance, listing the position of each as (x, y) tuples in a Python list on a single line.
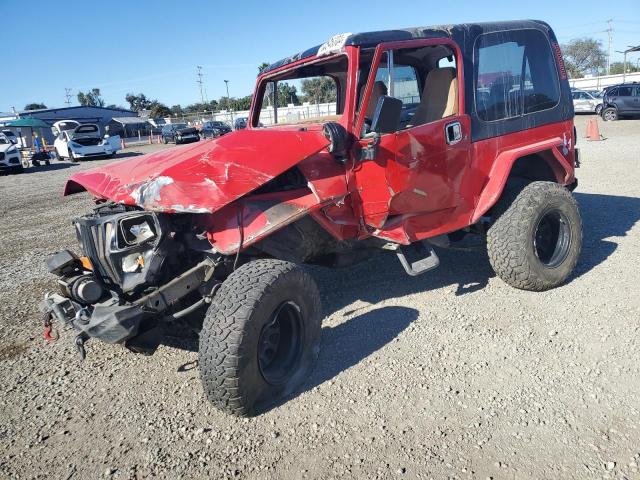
[(386, 118)]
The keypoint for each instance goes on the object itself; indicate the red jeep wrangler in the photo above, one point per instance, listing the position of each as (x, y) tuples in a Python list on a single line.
[(408, 138)]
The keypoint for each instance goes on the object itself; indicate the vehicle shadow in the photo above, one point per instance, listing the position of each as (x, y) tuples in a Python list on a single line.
[(352, 341), (122, 155), (50, 168), (603, 216)]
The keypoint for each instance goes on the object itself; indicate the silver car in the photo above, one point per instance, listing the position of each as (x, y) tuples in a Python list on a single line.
[(584, 102)]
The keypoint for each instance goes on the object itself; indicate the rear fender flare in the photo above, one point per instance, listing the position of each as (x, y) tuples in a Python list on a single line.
[(548, 150)]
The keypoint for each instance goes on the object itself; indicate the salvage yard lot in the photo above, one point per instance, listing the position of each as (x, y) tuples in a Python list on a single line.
[(451, 374)]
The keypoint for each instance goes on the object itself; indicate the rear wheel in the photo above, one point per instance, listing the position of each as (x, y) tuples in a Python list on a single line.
[(598, 109), (536, 239), (261, 336), (610, 114), (164, 140)]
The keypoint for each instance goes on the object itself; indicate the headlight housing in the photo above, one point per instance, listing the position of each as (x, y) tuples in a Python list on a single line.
[(125, 247)]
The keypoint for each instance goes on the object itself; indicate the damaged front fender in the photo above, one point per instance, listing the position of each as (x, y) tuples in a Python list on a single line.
[(250, 219)]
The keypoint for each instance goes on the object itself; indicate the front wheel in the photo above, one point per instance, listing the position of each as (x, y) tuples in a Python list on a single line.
[(536, 238), (72, 157), (261, 336), (610, 114)]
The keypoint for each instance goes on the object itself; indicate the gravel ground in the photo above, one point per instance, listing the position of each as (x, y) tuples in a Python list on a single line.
[(451, 374)]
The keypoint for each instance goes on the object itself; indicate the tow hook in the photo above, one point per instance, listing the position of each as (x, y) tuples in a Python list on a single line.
[(79, 341), (50, 334)]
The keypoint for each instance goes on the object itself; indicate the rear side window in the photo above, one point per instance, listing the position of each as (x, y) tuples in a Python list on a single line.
[(515, 74), (624, 91)]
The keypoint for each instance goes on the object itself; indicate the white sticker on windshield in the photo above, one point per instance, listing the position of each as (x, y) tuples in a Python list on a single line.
[(334, 44)]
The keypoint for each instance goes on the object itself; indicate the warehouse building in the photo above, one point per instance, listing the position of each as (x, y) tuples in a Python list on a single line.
[(99, 115)]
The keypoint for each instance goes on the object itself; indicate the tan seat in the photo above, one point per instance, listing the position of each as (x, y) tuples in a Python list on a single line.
[(439, 96), (379, 89)]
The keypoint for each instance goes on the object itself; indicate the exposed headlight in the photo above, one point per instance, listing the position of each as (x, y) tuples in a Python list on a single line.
[(136, 230)]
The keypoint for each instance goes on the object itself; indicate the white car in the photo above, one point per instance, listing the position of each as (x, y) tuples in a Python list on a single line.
[(10, 160), (77, 141), (584, 102)]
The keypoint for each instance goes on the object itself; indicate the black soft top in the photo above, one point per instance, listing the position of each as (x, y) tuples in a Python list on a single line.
[(461, 33)]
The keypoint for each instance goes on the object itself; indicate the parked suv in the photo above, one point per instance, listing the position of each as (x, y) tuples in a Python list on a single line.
[(179, 133), (621, 100), (433, 134), (10, 160), (214, 128)]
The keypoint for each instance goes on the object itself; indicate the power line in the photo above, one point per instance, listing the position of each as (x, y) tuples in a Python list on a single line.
[(67, 95)]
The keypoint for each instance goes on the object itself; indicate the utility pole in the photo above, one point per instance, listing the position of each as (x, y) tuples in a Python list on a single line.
[(199, 82), (610, 32), (226, 82), (67, 95)]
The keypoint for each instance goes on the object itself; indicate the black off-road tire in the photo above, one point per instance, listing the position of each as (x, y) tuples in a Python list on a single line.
[(234, 375), (525, 215)]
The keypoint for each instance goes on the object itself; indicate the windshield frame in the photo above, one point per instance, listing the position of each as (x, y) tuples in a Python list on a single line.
[(346, 119)]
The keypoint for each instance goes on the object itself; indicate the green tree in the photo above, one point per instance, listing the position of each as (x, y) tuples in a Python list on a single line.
[(138, 102), (582, 56), (177, 111), (319, 90), (34, 106), (262, 67), (211, 106), (242, 103), (158, 110), (91, 98), (618, 67), (287, 94)]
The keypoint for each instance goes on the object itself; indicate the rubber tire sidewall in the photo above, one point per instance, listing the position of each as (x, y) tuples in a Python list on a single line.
[(610, 109), (510, 241), (232, 327)]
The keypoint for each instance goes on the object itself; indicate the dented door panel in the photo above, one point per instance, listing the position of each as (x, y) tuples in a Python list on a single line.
[(427, 171)]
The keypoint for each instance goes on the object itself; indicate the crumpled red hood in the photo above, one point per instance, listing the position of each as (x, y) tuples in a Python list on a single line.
[(201, 177)]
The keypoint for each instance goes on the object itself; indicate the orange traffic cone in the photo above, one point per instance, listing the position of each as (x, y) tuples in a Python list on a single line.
[(158, 137), (122, 144), (593, 131)]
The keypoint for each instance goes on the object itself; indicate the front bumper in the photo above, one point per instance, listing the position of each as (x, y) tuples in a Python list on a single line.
[(114, 321), (92, 153), (11, 163), (108, 321)]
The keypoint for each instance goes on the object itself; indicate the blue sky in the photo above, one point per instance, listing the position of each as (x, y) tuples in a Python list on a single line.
[(154, 46)]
